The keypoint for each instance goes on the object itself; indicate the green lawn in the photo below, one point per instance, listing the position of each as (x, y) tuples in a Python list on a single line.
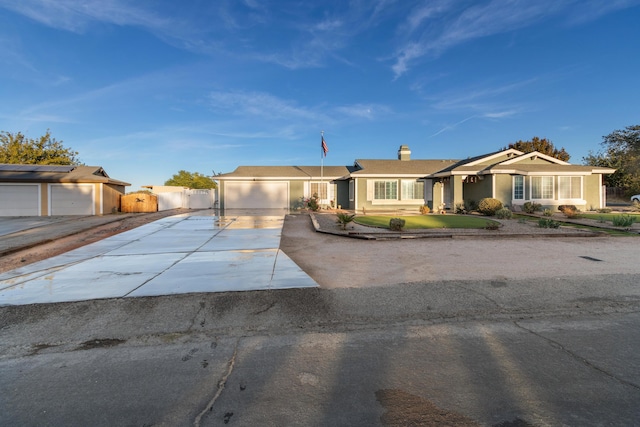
[(427, 221), (607, 216)]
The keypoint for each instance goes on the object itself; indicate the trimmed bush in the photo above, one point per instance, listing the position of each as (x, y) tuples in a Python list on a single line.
[(548, 223), (424, 209), (504, 213), (489, 206), (570, 211), (623, 220), (531, 207), (562, 208), (396, 224)]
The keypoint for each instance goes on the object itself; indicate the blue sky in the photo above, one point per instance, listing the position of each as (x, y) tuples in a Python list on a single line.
[(146, 88)]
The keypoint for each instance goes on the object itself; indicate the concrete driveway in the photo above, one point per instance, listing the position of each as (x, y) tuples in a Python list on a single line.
[(192, 252)]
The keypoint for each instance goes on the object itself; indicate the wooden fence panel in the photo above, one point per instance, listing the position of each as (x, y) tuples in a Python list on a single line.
[(139, 203)]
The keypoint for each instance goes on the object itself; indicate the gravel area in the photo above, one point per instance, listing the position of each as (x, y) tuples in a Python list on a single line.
[(325, 222)]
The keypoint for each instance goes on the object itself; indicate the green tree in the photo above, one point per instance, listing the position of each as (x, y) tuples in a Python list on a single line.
[(621, 151), (191, 180), (541, 145), (15, 148)]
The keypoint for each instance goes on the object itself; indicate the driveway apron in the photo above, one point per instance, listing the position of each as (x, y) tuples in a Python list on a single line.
[(192, 252)]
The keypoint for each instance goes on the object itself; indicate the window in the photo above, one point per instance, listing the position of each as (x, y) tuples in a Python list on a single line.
[(412, 190), (542, 187), (351, 190), (385, 190), (319, 188), (570, 187), (518, 187)]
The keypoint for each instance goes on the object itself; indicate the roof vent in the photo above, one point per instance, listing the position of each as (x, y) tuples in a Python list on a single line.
[(404, 153)]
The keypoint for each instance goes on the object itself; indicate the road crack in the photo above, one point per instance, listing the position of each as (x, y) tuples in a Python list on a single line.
[(579, 358), (221, 385)]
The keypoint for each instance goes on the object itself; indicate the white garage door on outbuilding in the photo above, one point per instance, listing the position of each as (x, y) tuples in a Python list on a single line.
[(256, 194), (72, 199), (19, 199)]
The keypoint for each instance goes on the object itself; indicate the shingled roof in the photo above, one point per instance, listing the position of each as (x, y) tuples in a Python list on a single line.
[(56, 174)]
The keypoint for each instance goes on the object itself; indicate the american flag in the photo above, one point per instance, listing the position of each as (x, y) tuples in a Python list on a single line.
[(324, 147)]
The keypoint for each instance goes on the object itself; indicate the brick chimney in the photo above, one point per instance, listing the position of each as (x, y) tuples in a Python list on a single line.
[(404, 153)]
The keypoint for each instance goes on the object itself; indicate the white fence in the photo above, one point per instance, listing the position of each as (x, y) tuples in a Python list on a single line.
[(189, 199)]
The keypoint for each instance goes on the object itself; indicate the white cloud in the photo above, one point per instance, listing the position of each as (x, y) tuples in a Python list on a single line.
[(438, 27)]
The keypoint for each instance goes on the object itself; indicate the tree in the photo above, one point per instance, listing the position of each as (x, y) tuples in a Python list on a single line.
[(621, 151), (543, 146), (15, 148), (191, 180)]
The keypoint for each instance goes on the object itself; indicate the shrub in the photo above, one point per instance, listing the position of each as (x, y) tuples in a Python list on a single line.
[(570, 211), (396, 224), (636, 206), (492, 225), (344, 219), (623, 220), (312, 203), (489, 206), (531, 207), (461, 209), (604, 210), (504, 213), (548, 223), (562, 208), (547, 212), (424, 209), (471, 205)]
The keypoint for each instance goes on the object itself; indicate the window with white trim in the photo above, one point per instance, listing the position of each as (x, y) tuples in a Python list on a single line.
[(412, 190), (542, 187), (319, 188), (351, 190), (570, 187), (518, 187), (385, 190)]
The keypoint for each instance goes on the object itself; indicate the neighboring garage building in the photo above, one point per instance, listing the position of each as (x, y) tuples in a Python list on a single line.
[(47, 190)]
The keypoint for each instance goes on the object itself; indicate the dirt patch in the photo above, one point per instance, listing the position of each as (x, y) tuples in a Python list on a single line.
[(405, 409), (83, 234)]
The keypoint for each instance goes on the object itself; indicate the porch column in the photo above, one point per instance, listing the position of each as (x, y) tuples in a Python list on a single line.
[(457, 195)]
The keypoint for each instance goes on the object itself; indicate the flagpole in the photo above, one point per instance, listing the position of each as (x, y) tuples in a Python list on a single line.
[(321, 162)]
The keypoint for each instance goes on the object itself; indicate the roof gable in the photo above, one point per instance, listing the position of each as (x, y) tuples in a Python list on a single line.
[(534, 157)]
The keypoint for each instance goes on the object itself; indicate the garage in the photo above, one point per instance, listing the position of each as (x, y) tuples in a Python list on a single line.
[(19, 200), (256, 194), (72, 199)]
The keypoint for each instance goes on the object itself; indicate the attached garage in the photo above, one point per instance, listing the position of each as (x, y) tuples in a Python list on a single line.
[(256, 194), (19, 199), (72, 199)]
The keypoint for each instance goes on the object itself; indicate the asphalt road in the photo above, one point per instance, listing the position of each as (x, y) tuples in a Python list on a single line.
[(539, 348)]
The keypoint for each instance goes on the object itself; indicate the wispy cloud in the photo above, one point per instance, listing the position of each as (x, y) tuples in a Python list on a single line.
[(259, 104), (452, 126), (434, 29), (364, 111)]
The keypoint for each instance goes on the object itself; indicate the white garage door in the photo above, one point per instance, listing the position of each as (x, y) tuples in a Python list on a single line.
[(19, 200), (256, 195), (71, 199)]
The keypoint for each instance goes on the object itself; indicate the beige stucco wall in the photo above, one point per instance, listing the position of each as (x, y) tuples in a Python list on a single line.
[(503, 188), (368, 205), (296, 192), (111, 195), (591, 193)]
